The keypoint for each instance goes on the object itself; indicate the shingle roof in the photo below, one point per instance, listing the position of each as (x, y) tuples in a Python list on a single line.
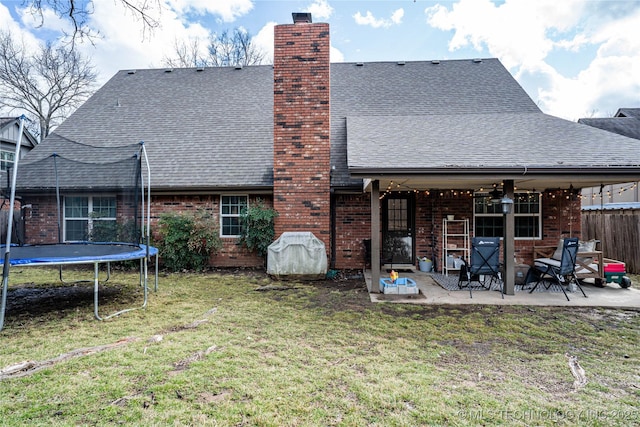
[(628, 112), (202, 129), (627, 126), (522, 141), (374, 90), (213, 129)]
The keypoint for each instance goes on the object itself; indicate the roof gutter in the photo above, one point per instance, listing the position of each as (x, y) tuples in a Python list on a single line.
[(366, 172)]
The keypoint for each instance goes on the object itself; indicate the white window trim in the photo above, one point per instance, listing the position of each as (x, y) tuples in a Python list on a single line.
[(222, 216), (3, 161), (528, 215), (89, 220)]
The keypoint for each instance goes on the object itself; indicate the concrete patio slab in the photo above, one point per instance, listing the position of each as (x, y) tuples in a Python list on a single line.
[(431, 293)]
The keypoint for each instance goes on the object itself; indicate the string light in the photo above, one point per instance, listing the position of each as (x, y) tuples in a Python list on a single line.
[(570, 193)]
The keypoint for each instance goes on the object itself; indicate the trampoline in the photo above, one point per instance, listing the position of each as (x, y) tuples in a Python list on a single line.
[(81, 205), (95, 253)]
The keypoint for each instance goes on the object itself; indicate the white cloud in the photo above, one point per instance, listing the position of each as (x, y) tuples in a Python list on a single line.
[(370, 20), (516, 31), (123, 44), (523, 34), (8, 24), (320, 9), (396, 17), (609, 82), (335, 55), (228, 10), (264, 40)]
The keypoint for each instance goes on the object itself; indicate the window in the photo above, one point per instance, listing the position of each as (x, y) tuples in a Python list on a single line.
[(230, 209), (7, 158), (488, 218), (82, 212)]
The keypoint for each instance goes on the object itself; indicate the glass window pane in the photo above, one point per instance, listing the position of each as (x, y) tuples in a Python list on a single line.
[(526, 226), (397, 214), (76, 207), (104, 207), (230, 209), (231, 226), (488, 226), (76, 230), (526, 211)]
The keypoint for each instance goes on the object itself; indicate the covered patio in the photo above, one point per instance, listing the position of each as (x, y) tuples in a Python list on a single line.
[(432, 293), (519, 152)]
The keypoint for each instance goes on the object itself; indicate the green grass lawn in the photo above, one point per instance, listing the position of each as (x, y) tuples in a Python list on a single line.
[(212, 350)]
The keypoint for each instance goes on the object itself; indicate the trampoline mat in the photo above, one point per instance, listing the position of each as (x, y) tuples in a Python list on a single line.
[(76, 253)]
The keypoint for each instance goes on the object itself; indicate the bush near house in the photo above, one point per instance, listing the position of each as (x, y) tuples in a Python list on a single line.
[(258, 227), (187, 240)]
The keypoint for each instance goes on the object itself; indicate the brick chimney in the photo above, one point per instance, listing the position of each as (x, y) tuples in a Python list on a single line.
[(301, 132)]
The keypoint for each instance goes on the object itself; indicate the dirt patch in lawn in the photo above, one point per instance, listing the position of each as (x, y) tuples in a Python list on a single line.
[(345, 291)]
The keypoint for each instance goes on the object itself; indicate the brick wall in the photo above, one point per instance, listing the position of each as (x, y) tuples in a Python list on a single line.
[(42, 223), (353, 226), (560, 218), (231, 255), (41, 218), (302, 130)]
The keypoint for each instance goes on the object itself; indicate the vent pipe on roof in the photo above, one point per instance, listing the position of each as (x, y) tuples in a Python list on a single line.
[(477, 60), (301, 18), (435, 62)]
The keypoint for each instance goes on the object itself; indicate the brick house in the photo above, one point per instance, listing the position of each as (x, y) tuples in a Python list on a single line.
[(9, 136), (353, 152)]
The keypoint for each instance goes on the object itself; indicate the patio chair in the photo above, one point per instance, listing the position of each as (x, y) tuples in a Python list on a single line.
[(484, 264), (560, 271)]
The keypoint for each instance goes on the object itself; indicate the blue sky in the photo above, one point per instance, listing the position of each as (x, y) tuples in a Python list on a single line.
[(575, 58)]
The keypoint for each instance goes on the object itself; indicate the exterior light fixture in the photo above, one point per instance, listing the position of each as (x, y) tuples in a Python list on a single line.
[(507, 204)]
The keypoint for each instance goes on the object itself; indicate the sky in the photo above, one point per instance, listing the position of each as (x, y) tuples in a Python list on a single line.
[(575, 58)]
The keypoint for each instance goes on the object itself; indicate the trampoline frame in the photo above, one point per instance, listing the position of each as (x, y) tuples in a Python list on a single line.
[(138, 252), (143, 252)]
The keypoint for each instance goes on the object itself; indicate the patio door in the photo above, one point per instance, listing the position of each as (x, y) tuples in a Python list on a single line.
[(397, 229)]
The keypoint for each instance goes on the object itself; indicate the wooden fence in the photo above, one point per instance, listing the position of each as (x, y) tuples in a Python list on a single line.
[(618, 232)]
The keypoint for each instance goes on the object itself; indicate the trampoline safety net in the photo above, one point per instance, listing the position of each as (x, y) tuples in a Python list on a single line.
[(87, 194)]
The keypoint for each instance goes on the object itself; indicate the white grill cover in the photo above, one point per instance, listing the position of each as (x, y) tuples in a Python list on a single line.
[(299, 255)]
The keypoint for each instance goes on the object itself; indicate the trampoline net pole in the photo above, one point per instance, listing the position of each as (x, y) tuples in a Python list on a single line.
[(7, 251)]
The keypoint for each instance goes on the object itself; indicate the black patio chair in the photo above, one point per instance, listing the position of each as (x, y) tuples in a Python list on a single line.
[(561, 271), (484, 264)]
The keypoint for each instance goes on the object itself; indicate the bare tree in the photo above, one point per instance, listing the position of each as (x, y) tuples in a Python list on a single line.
[(224, 50), (48, 85), (78, 13), (187, 54)]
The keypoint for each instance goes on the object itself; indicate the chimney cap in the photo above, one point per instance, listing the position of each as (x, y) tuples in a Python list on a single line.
[(301, 17)]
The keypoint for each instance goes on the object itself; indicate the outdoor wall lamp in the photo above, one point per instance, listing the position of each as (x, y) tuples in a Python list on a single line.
[(507, 204)]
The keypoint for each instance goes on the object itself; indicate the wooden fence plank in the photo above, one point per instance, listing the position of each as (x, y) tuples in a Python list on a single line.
[(619, 234)]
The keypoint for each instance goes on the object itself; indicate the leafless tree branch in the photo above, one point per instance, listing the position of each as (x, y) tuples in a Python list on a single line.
[(78, 12), (48, 85), (223, 50)]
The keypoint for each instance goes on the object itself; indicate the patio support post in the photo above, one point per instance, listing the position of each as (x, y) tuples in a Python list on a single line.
[(509, 243), (375, 237)]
